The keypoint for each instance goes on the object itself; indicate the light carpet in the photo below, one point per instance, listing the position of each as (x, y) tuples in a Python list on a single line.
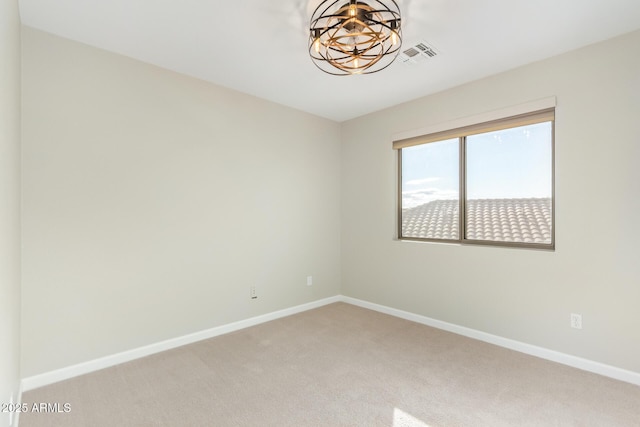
[(339, 365)]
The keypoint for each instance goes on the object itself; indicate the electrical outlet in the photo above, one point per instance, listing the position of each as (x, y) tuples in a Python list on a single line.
[(309, 280), (252, 292), (576, 321)]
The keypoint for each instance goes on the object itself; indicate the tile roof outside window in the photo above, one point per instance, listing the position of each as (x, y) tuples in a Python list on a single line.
[(503, 220)]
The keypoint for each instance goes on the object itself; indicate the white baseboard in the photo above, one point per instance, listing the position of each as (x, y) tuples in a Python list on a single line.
[(47, 378), (543, 353), (62, 374)]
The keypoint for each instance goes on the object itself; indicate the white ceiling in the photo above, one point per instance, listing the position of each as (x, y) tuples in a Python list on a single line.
[(260, 47)]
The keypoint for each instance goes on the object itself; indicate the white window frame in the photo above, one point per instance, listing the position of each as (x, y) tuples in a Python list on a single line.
[(537, 112)]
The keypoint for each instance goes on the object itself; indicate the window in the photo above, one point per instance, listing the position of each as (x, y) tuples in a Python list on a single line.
[(488, 183)]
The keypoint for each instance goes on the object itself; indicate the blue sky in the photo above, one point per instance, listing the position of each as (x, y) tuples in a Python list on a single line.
[(512, 163)]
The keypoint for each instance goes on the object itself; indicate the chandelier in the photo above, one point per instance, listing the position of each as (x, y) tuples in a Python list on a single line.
[(356, 37)]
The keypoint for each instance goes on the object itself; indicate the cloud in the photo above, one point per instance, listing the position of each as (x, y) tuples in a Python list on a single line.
[(415, 198), (423, 181), (421, 191)]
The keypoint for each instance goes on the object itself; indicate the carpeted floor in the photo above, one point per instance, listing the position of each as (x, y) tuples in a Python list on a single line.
[(338, 365)]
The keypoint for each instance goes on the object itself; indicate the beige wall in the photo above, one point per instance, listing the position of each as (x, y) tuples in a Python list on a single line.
[(153, 201), (524, 295), (9, 203)]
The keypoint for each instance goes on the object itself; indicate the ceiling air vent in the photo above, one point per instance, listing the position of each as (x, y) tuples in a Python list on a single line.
[(417, 52)]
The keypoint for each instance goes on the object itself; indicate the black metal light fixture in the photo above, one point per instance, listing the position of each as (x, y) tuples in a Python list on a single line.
[(356, 37)]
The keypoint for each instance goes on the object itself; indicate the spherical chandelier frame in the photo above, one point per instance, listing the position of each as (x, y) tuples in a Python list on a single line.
[(355, 37)]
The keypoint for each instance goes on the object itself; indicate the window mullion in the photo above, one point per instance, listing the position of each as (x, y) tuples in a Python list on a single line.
[(463, 189), (399, 201)]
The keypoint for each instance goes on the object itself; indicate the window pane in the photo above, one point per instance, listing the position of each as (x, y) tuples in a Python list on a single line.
[(430, 190), (509, 185)]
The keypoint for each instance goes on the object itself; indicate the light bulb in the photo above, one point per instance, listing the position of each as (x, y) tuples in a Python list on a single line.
[(394, 38), (316, 45)]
